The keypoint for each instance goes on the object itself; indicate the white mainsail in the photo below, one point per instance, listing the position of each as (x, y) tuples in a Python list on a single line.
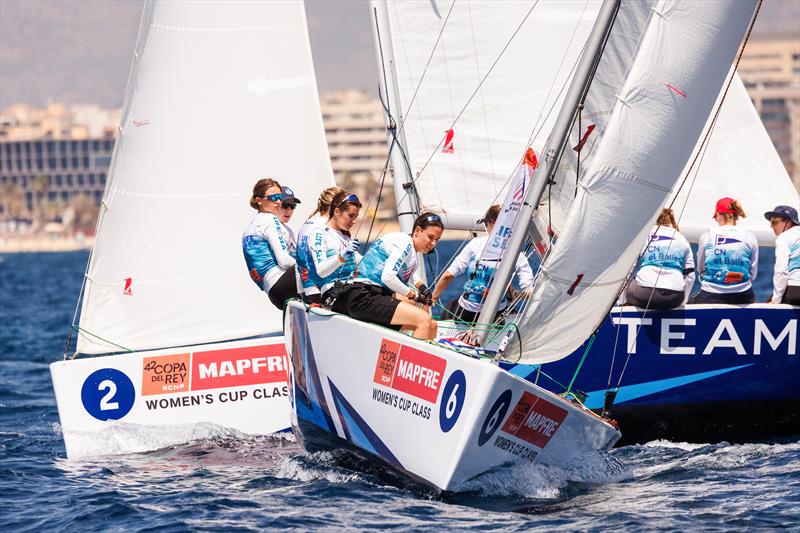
[(220, 95), (738, 161), (463, 171), (675, 79)]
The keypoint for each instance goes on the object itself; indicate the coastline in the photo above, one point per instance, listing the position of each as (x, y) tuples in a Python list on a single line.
[(43, 243)]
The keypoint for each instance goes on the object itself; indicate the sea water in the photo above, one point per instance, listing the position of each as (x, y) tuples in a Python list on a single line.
[(227, 481)]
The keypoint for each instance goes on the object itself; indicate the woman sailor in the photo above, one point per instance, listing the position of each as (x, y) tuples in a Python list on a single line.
[(329, 251), (727, 258), (268, 244), (467, 307), (786, 279), (319, 217), (380, 292), (665, 274)]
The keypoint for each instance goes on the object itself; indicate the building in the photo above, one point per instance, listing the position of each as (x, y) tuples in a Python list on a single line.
[(770, 70), (356, 133)]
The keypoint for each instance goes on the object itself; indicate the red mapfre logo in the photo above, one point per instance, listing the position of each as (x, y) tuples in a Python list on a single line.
[(409, 370), (233, 367), (535, 420)]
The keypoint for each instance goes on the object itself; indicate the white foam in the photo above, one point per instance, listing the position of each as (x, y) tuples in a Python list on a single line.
[(313, 467), (686, 446)]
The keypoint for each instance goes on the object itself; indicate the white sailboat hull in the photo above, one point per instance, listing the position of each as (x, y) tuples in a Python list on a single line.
[(437, 416), (142, 401)]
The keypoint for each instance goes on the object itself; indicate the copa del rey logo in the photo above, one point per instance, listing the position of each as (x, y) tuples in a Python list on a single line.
[(409, 370)]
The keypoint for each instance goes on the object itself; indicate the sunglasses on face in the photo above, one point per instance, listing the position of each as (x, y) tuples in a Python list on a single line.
[(348, 198), (775, 221), (277, 197), (288, 205)]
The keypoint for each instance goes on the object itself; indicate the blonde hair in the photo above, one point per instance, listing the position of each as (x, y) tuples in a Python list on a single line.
[(739, 212), (325, 200), (667, 218), (260, 190)]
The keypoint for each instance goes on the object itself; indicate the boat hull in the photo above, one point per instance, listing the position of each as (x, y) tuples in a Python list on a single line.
[(703, 373), (141, 401), (439, 417)]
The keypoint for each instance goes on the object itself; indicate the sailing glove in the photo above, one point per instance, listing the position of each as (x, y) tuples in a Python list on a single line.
[(350, 249)]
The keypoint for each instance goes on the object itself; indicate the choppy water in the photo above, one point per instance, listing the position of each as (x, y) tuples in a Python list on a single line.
[(226, 481)]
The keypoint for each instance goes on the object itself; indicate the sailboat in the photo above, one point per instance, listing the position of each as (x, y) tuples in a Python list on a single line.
[(174, 341), (442, 417), (746, 387)]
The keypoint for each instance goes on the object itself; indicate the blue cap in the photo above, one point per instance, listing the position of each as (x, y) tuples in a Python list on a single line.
[(783, 211), (288, 196)]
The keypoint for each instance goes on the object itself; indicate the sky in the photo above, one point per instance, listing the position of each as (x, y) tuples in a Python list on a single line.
[(79, 51)]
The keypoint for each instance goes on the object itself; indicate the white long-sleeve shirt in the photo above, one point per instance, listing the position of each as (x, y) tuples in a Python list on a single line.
[(390, 262), (787, 262), (667, 261), (268, 247)]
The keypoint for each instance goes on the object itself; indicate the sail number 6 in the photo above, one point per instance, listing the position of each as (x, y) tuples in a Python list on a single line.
[(453, 395)]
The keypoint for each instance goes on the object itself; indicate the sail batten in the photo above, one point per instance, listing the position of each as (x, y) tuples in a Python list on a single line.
[(673, 82), (221, 94)]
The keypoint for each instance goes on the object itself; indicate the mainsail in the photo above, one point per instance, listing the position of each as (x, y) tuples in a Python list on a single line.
[(220, 95), (681, 63), (478, 83)]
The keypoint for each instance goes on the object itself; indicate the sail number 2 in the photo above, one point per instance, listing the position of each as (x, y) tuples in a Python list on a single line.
[(107, 394)]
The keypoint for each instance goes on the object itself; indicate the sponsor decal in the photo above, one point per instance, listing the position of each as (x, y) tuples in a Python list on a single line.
[(165, 374), (515, 448), (222, 397), (455, 392), (448, 147), (409, 370), (234, 367), (534, 420), (494, 417), (126, 290), (107, 394)]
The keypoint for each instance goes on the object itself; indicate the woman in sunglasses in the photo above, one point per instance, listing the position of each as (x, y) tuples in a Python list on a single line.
[(380, 292), (786, 280), (727, 258), (309, 291), (268, 244), (329, 251)]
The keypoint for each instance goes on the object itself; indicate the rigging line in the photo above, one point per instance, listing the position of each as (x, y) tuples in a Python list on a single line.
[(519, 27), (706, 138)]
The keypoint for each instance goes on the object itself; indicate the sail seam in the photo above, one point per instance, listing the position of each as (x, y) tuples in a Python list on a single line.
[(187, 29)]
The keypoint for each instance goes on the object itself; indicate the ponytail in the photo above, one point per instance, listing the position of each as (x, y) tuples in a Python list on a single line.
[(260, 190), (667, 218), (325, 200)]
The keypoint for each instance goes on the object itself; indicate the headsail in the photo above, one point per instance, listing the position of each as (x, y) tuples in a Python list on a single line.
[(220, 95), (467, 165), (681, 63)]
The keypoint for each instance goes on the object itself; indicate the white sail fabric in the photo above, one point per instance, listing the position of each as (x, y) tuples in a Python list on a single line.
[(463, 172), (740, 162), (682, 62), (221, 94)]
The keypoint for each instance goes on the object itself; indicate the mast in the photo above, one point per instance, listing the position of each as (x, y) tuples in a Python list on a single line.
[(408, 207), (555, 146)]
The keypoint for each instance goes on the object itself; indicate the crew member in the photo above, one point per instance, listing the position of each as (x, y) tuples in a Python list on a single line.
[(467, 307), (319, 217), (380, 292), (267, 243), (665, 275), (727, 258), (786, 279), (330, 252)]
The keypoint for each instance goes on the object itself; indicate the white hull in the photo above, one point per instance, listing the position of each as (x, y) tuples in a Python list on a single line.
[(141, 401), (433, 414)]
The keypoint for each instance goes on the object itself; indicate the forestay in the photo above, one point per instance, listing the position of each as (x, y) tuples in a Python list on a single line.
[(220, 95), (738, 161), (467, 165), (681, 64)]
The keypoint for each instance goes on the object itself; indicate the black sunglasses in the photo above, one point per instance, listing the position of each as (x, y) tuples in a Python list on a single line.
[(288, 205)]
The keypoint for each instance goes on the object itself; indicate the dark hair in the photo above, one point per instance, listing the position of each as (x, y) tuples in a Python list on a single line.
[(325, 199), (260, 190), (426, 220), (490, 217), (343, 200)]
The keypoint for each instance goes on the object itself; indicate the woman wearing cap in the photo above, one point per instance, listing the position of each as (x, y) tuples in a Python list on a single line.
[(467, 307), (727, 258), (786, 280), (380, 292), (329, 250), (319, 217), (268, 244), (665, 274)]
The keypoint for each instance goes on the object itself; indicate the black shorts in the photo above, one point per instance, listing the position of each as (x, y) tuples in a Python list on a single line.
[(792, 295), (653, 297), (456, 312), (369, 303), (284, 289), (703, 297)]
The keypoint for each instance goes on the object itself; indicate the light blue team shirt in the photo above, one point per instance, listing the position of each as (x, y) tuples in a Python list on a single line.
[(304, 256), (268, 248), (390, 262), (665, 258), (727, 257), (322, 251)]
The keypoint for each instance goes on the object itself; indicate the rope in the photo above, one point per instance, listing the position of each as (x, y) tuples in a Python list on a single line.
[(79, 329)]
